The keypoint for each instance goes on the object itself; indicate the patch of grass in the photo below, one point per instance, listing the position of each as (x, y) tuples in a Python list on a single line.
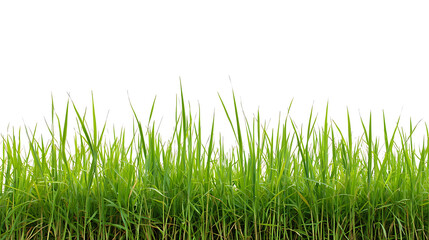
[(282, 183)]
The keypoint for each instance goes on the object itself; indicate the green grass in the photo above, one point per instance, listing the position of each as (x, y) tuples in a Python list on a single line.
[(289, 182)]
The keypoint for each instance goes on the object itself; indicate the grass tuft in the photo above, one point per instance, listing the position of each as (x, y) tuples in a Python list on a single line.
[(282, 183)]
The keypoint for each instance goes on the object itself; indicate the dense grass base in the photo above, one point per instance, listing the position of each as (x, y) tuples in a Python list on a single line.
[(275, 184)]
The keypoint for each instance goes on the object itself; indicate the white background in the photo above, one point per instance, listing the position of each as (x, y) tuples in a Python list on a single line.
[(364, 55)]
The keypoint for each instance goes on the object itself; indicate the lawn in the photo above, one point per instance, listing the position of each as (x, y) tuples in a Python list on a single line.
[(288, 182)]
